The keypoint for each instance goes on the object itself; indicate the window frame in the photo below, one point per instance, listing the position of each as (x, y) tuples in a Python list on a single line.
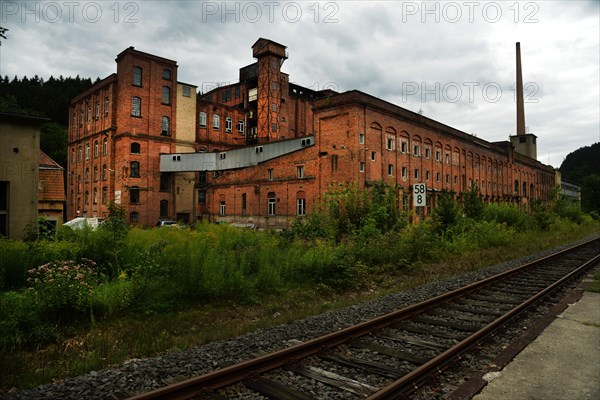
[(165, 123), (136, 76), (136, 106), (166, 96), (135, 148), (271, 204), (134, 169), (134, 195), (300, 206)]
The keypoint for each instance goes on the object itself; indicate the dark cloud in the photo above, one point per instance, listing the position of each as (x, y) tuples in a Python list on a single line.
[(379, 47)]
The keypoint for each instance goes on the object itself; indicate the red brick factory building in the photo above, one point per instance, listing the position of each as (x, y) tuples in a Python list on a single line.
[(263, 150)]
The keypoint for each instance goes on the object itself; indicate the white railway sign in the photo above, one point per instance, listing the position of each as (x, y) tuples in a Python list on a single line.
[(420, 195)]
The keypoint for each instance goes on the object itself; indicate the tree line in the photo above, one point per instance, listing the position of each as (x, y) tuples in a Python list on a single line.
[(582, 167), (44, 98)]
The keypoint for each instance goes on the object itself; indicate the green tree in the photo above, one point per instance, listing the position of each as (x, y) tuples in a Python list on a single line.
[(447, 212), (590, 193), (115, 224), (53, 141), (116, 227), (472, 203)]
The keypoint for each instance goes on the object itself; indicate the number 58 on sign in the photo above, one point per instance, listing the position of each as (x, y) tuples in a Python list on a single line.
[(419, 195)]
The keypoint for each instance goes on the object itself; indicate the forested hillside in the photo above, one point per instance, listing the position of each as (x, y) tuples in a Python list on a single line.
[(49, 99), (583, 168)]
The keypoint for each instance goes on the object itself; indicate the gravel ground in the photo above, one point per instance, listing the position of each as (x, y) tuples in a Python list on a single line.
[(140, 375)]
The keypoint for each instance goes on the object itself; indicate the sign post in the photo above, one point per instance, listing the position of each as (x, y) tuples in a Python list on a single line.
[(420, 201), (420, 195)]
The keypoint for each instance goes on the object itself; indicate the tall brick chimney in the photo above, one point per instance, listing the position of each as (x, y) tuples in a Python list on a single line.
[(520, 102), (523, 142)]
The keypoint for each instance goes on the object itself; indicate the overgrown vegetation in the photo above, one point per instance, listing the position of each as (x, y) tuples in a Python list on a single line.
[(74, 286)]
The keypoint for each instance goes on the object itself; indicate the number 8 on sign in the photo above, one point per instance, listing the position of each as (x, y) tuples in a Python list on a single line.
[(419, 197)]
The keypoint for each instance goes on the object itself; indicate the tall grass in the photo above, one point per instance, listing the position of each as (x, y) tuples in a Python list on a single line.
[(169, 272)]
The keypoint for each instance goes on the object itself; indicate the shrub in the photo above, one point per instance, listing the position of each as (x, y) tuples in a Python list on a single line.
[(472, 203), (111, 298), (503, 213), (569, 210), (489, 234), (63, 288), (13, 264), (447, 212), (316, 225), (18, 319)]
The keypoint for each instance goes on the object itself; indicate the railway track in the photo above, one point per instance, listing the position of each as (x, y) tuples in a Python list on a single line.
[(390, 356)]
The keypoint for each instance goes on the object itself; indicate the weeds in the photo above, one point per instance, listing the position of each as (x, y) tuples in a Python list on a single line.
[(355, 242)]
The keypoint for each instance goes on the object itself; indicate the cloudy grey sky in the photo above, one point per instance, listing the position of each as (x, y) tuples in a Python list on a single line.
[(454, 60)]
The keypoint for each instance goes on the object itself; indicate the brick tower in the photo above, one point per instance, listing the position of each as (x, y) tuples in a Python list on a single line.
[(270, 56)]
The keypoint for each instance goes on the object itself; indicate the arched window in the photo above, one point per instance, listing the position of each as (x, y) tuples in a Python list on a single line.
[(95, 174), (516, 188), (222, 205), (136, 148), (244, 203), (87, 174), (105, 146), (164, 208), (134, 169), (166, 124), (301, 203), (136, 106), (531, 190), (95, 198), (271, 200), (166, 95), (104, 172), (134, 195), (137, 76), (104, 194), (96, 148)]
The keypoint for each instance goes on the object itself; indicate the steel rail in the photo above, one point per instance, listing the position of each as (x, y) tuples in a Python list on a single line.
[(410, 380), (236, 373)]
